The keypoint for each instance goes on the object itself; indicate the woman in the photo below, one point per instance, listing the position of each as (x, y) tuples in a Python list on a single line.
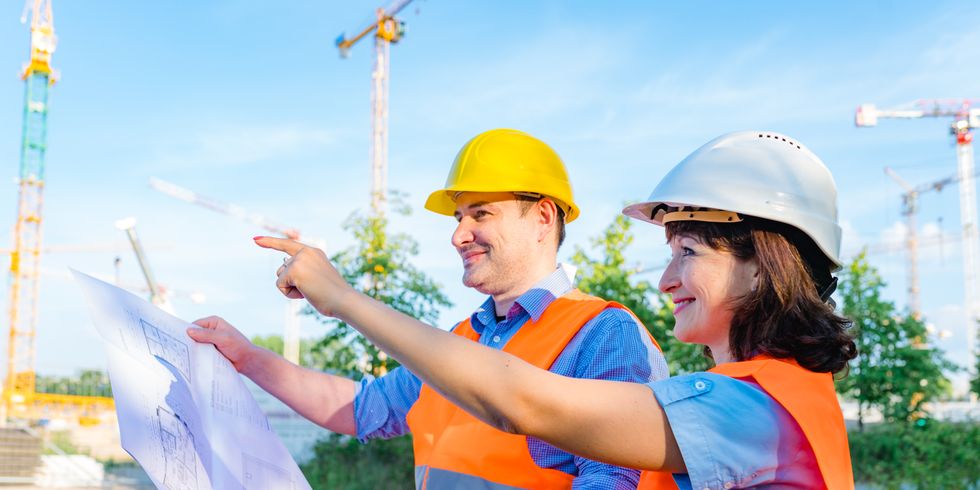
[(752, 226)]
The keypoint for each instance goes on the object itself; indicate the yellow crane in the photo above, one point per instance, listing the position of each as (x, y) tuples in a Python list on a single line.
[(38, 76), (20, 400), (387, 30)]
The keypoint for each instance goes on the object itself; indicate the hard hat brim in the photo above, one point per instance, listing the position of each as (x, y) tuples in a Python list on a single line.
[(442, 202)]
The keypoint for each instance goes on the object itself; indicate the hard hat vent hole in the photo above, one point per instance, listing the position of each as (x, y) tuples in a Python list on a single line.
[(777, 138)]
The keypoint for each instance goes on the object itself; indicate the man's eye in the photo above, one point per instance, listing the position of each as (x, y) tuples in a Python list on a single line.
[(481, 213), (685, 251)]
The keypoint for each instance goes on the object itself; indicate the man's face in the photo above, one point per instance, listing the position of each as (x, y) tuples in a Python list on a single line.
[(494, 240)]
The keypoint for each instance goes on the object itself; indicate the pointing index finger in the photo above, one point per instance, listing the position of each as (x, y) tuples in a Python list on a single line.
[(290, 247)]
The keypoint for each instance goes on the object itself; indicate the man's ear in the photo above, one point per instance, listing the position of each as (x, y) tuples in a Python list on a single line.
[(547, 217)]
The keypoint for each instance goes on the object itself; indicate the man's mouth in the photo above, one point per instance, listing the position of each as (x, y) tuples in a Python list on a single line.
[(471, 256)]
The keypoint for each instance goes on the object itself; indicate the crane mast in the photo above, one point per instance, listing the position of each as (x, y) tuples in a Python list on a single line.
[(38, 76), (910, 206), (965, 119), (387, 30), (157, 297)]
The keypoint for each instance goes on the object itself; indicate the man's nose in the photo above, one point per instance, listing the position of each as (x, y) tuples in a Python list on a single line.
[(463, 234)]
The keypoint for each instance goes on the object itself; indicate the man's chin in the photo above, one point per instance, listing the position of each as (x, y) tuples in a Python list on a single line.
[(473, 281)]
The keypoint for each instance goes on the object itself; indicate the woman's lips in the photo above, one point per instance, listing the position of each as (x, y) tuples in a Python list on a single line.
[(680, 304)]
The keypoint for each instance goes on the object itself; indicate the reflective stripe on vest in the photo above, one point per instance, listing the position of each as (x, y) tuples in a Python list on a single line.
[(455, 450), (426, 477), (810, 399)]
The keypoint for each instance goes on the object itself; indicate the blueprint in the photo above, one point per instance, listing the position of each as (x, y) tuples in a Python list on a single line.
[(185, 415)]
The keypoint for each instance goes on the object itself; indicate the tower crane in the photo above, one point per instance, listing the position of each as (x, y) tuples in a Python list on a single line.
[(20, 399), (965, 117), (291, 332), (910, 206), (387, 30), (38, 76)]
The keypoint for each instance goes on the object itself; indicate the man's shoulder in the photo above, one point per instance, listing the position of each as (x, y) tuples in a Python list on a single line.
[(612, 310)]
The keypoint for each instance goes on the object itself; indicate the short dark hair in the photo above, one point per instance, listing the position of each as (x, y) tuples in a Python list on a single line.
[(527, 201), (784, 316)]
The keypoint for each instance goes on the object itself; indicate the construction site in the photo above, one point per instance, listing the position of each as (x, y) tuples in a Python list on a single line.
[(146, 146)]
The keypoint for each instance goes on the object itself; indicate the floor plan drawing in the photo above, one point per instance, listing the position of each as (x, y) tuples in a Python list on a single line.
[(185, 414), (167, 348), (178, 449), (259, 474)]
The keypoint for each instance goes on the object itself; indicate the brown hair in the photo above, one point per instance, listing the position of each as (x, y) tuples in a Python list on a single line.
[(526, 202), (785, 316)]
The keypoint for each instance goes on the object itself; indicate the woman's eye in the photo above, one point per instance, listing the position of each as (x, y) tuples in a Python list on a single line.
[(686, 251)]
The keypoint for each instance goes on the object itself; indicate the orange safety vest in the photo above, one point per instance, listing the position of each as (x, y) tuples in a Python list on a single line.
[(810, 399), (453, 449)]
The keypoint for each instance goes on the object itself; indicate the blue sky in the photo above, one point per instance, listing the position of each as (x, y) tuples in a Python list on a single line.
[(249, 103)]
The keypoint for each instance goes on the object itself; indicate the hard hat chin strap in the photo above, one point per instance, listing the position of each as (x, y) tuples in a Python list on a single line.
[(829, 290)]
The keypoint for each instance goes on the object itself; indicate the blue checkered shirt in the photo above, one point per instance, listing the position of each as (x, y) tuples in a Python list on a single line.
[(612, 346)]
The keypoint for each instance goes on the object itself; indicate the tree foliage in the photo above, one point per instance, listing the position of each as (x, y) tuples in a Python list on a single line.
[(88, 382), (309, 353), (379, 265), (341, 462), (896, 371), (975, 382), (928, 454), (609, 277)]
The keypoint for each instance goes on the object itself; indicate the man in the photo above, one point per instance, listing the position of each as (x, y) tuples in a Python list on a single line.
[(511, 197)]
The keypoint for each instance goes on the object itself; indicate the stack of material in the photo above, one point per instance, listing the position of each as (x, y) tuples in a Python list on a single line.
[(20, 455), (70, 471)]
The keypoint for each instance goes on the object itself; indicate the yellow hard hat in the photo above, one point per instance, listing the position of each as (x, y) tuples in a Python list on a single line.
[(506, 160)]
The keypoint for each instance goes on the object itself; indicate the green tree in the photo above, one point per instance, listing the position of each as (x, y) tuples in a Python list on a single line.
[(88, 382), (928, 454), (379, 265), (975, 382), (609, 277), (896, 370), (344, 463), (309, 354)]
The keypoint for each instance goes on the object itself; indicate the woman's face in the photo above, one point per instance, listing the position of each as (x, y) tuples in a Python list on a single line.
[(703, 284)]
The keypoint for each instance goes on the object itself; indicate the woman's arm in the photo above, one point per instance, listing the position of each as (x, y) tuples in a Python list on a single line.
[(614, 422)]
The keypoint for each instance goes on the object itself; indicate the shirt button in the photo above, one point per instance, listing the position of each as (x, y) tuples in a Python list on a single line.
[(496, 338), (699, 385), (729, 484)]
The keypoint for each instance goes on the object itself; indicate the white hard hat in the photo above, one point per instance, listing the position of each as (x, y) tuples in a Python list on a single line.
[(754, 173)]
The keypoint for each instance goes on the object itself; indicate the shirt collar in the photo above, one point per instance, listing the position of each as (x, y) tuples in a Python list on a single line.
[(534, 301)]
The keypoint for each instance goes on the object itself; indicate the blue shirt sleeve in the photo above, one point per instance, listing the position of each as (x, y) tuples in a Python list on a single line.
[(614, 346), (732, 434), (381, 405)]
